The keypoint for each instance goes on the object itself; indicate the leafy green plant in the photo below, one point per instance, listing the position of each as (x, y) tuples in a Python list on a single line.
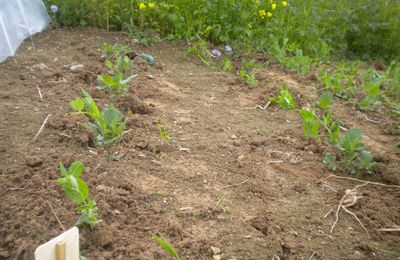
[(342, 80), (372, 86), (163, 132), (285, 100), (114, 51), (310, 123), (247, 72), (160, 240), (354, 157), (291, 56), (78, 192), (117, 82), (107, 125)]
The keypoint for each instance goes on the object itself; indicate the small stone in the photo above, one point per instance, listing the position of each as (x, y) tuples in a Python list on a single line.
[(77, 67), (40, 66), (216, 257), (293, 161), (215, 250), (56, 60), (233, 137), (150, 76)]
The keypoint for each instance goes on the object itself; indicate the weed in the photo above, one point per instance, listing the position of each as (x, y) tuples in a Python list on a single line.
[(78, 192), (164, 135), (166, 246)]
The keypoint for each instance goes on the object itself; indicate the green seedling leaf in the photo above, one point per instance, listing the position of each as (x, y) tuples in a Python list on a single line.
[(352, 141), (325, 100), (166, 246), (77, 105), (330, 161), (284, 100), (76, 169), (310, 123)]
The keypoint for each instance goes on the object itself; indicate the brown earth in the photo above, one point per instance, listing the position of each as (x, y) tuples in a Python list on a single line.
[(241, 179)]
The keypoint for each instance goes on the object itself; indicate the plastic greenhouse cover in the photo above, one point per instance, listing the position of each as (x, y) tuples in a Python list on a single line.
[(20, 19)]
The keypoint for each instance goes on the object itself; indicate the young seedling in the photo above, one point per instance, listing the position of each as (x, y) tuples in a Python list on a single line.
[(160, 240), (163, 132), (107, 125), (78, 192), (117, 83), (284, 100)]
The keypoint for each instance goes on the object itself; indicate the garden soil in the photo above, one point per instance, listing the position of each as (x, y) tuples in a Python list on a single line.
[(233, 182)]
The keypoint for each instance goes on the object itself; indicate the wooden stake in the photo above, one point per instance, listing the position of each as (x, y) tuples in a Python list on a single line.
[(60, 251)]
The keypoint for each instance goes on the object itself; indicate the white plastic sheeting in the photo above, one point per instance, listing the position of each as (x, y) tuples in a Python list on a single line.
[(20, 19)]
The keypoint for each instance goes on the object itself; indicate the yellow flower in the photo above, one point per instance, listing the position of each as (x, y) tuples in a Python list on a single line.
[(273, 6), (269, 14), (142, 6), (262, 13), (151, 5), (284, 3)]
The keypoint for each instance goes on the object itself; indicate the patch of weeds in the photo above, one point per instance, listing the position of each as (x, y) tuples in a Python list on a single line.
[(247, 72), (78, 192), (342, 81), (161, 241), (164, 135), (285, 100), (291, 56), (200, 49)]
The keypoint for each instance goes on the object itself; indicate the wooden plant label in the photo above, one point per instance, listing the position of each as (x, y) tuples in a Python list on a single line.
[(63, 247)]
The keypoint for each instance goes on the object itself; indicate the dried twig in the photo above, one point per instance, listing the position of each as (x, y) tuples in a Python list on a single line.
[(349, 199), (372, 121), (58, 220), (366, 182), (216, 206), (270, 162), (41, 128), (389, 230), (40, 93), (234, 185), (355, 216), (264, 107)]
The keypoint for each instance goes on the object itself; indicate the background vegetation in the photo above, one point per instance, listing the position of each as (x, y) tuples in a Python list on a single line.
[(362, 29)]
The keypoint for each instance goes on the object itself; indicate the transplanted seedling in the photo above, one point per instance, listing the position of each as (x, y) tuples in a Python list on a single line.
[(285, 100), (78, 192), (108, 125)]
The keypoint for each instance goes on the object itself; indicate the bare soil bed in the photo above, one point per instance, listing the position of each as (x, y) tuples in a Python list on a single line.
[(241, 179)]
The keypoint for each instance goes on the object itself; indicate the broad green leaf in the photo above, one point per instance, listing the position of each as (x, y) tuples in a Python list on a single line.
[(325, 100), (76, 169), (352, 141), (77, 104)]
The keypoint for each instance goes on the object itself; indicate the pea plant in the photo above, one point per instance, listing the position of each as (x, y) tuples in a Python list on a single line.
[(108, 125), (78, 192), (116, 83), (285, 100), (353, 157)]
